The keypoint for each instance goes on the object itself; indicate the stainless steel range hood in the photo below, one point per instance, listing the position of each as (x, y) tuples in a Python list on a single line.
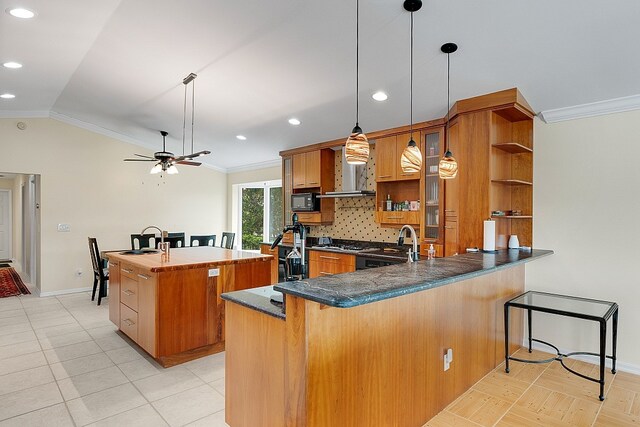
[(354, 182)]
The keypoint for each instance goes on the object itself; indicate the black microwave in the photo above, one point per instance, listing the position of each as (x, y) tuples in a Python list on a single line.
[(305, 202)]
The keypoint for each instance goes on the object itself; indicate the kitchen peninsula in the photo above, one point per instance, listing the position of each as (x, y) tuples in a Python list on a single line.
[(172, 309), (367, 348)]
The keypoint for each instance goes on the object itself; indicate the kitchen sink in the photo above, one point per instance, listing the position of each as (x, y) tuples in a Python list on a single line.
[(140, 252)]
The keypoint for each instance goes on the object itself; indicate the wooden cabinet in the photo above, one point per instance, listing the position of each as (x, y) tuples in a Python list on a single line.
[(388, 154), (450, 238), (312, 171), (432, 191), (114, 292), (323, 263), (398, 217), (266, 249), (307, 169), (491, 137)]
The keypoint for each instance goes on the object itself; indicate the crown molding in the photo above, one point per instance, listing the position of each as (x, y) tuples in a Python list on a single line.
[(616, 105), (256, 166), (24, 114)]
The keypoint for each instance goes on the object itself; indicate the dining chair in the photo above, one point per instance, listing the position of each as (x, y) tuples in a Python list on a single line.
[(204, 240), (174, 242), (227, 240), (100, 273), (142, 240)]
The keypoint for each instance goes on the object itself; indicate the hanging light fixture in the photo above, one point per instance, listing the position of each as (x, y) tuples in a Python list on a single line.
[(448, 167), (356, 149), (411, 160)]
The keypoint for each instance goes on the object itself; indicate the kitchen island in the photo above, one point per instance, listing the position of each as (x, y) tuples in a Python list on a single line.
[(367, 348), (172, 309)]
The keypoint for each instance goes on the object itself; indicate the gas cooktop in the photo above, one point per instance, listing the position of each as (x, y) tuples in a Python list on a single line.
[(345, 248)]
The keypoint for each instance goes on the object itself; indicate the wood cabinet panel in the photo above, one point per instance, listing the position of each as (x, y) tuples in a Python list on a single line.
[(129, 322), (450, 238), (147, 296), (128, 270), (299, 174), (114, 292), (266, 249), (129, 292), (323, 263), (312, 165), (386, 160), (398, 217)]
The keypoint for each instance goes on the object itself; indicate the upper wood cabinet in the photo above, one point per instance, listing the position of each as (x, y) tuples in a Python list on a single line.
[(388, 154), (307, 169)]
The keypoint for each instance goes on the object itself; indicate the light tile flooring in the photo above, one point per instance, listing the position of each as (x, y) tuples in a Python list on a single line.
[(62, 363), (545, 395)]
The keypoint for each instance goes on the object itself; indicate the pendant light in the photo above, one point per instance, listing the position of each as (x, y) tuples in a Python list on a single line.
[(411, 160), (448, 167), (356, 149)]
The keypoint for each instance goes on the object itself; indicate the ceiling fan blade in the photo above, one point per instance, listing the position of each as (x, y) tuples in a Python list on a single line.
[(142, 155), (140, 160), (188, 163), (193, 155)]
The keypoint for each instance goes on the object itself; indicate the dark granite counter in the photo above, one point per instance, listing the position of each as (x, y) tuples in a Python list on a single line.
[(258, 299), (367, 286)]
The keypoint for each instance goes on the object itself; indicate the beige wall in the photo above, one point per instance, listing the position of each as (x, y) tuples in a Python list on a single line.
[(85, 183), (587, 202)]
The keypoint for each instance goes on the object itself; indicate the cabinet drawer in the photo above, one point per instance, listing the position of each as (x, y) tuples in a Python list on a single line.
[(332, 258), (129, 292), (309, 217), (129, 322), (128, 270), (146, 278), (329, 269), (399, 217)]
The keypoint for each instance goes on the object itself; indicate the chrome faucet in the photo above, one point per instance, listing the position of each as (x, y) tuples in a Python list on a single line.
[(164, 247), (413, 253)]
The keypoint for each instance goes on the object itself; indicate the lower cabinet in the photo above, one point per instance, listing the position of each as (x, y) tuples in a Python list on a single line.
[(450, 237), (322, 263)]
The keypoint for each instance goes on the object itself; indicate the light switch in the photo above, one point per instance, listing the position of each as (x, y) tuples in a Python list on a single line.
[(213, 272), (64, 228)]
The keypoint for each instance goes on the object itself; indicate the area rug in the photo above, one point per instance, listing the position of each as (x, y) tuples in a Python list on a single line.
[(10, 283)]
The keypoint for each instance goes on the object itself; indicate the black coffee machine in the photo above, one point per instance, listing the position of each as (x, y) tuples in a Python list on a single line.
[(295, 263)]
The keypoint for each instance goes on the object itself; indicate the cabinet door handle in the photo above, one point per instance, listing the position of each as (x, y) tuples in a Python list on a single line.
[(448, 227), (112, 264), (323, 273), (384, 176), (328, 257), (407, 174), (127, 271), (449, 210), (128, 292), (129, 322), (314, 183), (394, 217), (144, 276)]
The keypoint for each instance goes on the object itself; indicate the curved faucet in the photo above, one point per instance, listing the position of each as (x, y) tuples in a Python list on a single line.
[(164, 247), (413, 254)]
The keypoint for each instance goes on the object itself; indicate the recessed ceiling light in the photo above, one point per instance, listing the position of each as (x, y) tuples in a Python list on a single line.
[(241, 137), (294, 121), (19, 12), (12, 64), (7, 96), (379, 96)]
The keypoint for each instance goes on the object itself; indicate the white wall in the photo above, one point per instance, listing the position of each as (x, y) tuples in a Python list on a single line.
[(85, 183), (587, 202)]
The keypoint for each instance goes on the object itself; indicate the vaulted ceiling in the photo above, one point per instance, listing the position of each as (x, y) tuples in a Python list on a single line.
[(118, 65)]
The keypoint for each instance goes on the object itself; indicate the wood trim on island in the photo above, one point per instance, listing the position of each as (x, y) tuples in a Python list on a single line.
[(372, 364)]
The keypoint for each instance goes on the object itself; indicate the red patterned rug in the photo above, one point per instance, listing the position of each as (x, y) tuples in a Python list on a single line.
[(11, 284)]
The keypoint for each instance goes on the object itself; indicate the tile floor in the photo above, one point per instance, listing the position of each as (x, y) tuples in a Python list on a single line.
[(63, 363)]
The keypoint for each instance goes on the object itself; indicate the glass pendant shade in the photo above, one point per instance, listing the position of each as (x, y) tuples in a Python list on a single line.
[(448, 167), (411, 160), (172, 170), (356, 150), (156, 169)]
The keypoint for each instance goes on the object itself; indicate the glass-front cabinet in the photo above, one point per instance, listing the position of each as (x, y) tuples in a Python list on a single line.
[(432, 192)]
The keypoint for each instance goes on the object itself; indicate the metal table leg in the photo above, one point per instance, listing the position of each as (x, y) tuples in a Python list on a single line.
[(529, 324), (603, 355), (615, 341), (506, 338)]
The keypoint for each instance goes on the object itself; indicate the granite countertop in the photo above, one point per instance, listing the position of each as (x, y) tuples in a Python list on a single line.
[(376, 284), (188, 258), (257, 299)]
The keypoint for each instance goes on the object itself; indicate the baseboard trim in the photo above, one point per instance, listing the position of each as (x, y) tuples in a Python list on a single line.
[(620, 366), (65, 292)]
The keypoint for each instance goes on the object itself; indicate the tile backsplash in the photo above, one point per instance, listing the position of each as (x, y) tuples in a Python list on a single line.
[(354, 217)]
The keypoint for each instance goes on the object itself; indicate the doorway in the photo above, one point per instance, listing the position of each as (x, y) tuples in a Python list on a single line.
[(6, 225)]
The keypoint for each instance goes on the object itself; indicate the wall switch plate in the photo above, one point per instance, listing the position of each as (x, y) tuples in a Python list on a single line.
[(447, 365), (448, 358), (64, 228), (213, 272)]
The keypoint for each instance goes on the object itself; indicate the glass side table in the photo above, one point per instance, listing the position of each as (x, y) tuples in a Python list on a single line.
[(563, 305)]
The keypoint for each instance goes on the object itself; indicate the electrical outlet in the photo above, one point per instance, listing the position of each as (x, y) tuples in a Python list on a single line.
[(65, 228), (447, 365), (448, 358)]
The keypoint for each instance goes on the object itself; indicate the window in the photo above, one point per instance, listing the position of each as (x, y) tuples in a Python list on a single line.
[(259, 213)]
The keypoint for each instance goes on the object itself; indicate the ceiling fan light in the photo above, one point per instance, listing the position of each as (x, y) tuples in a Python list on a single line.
[(448, 166), (411, 160), (356, 149), (156, 169), (172, 170)]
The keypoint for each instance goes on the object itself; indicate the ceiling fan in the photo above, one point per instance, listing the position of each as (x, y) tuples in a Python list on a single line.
[(167, 161)]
